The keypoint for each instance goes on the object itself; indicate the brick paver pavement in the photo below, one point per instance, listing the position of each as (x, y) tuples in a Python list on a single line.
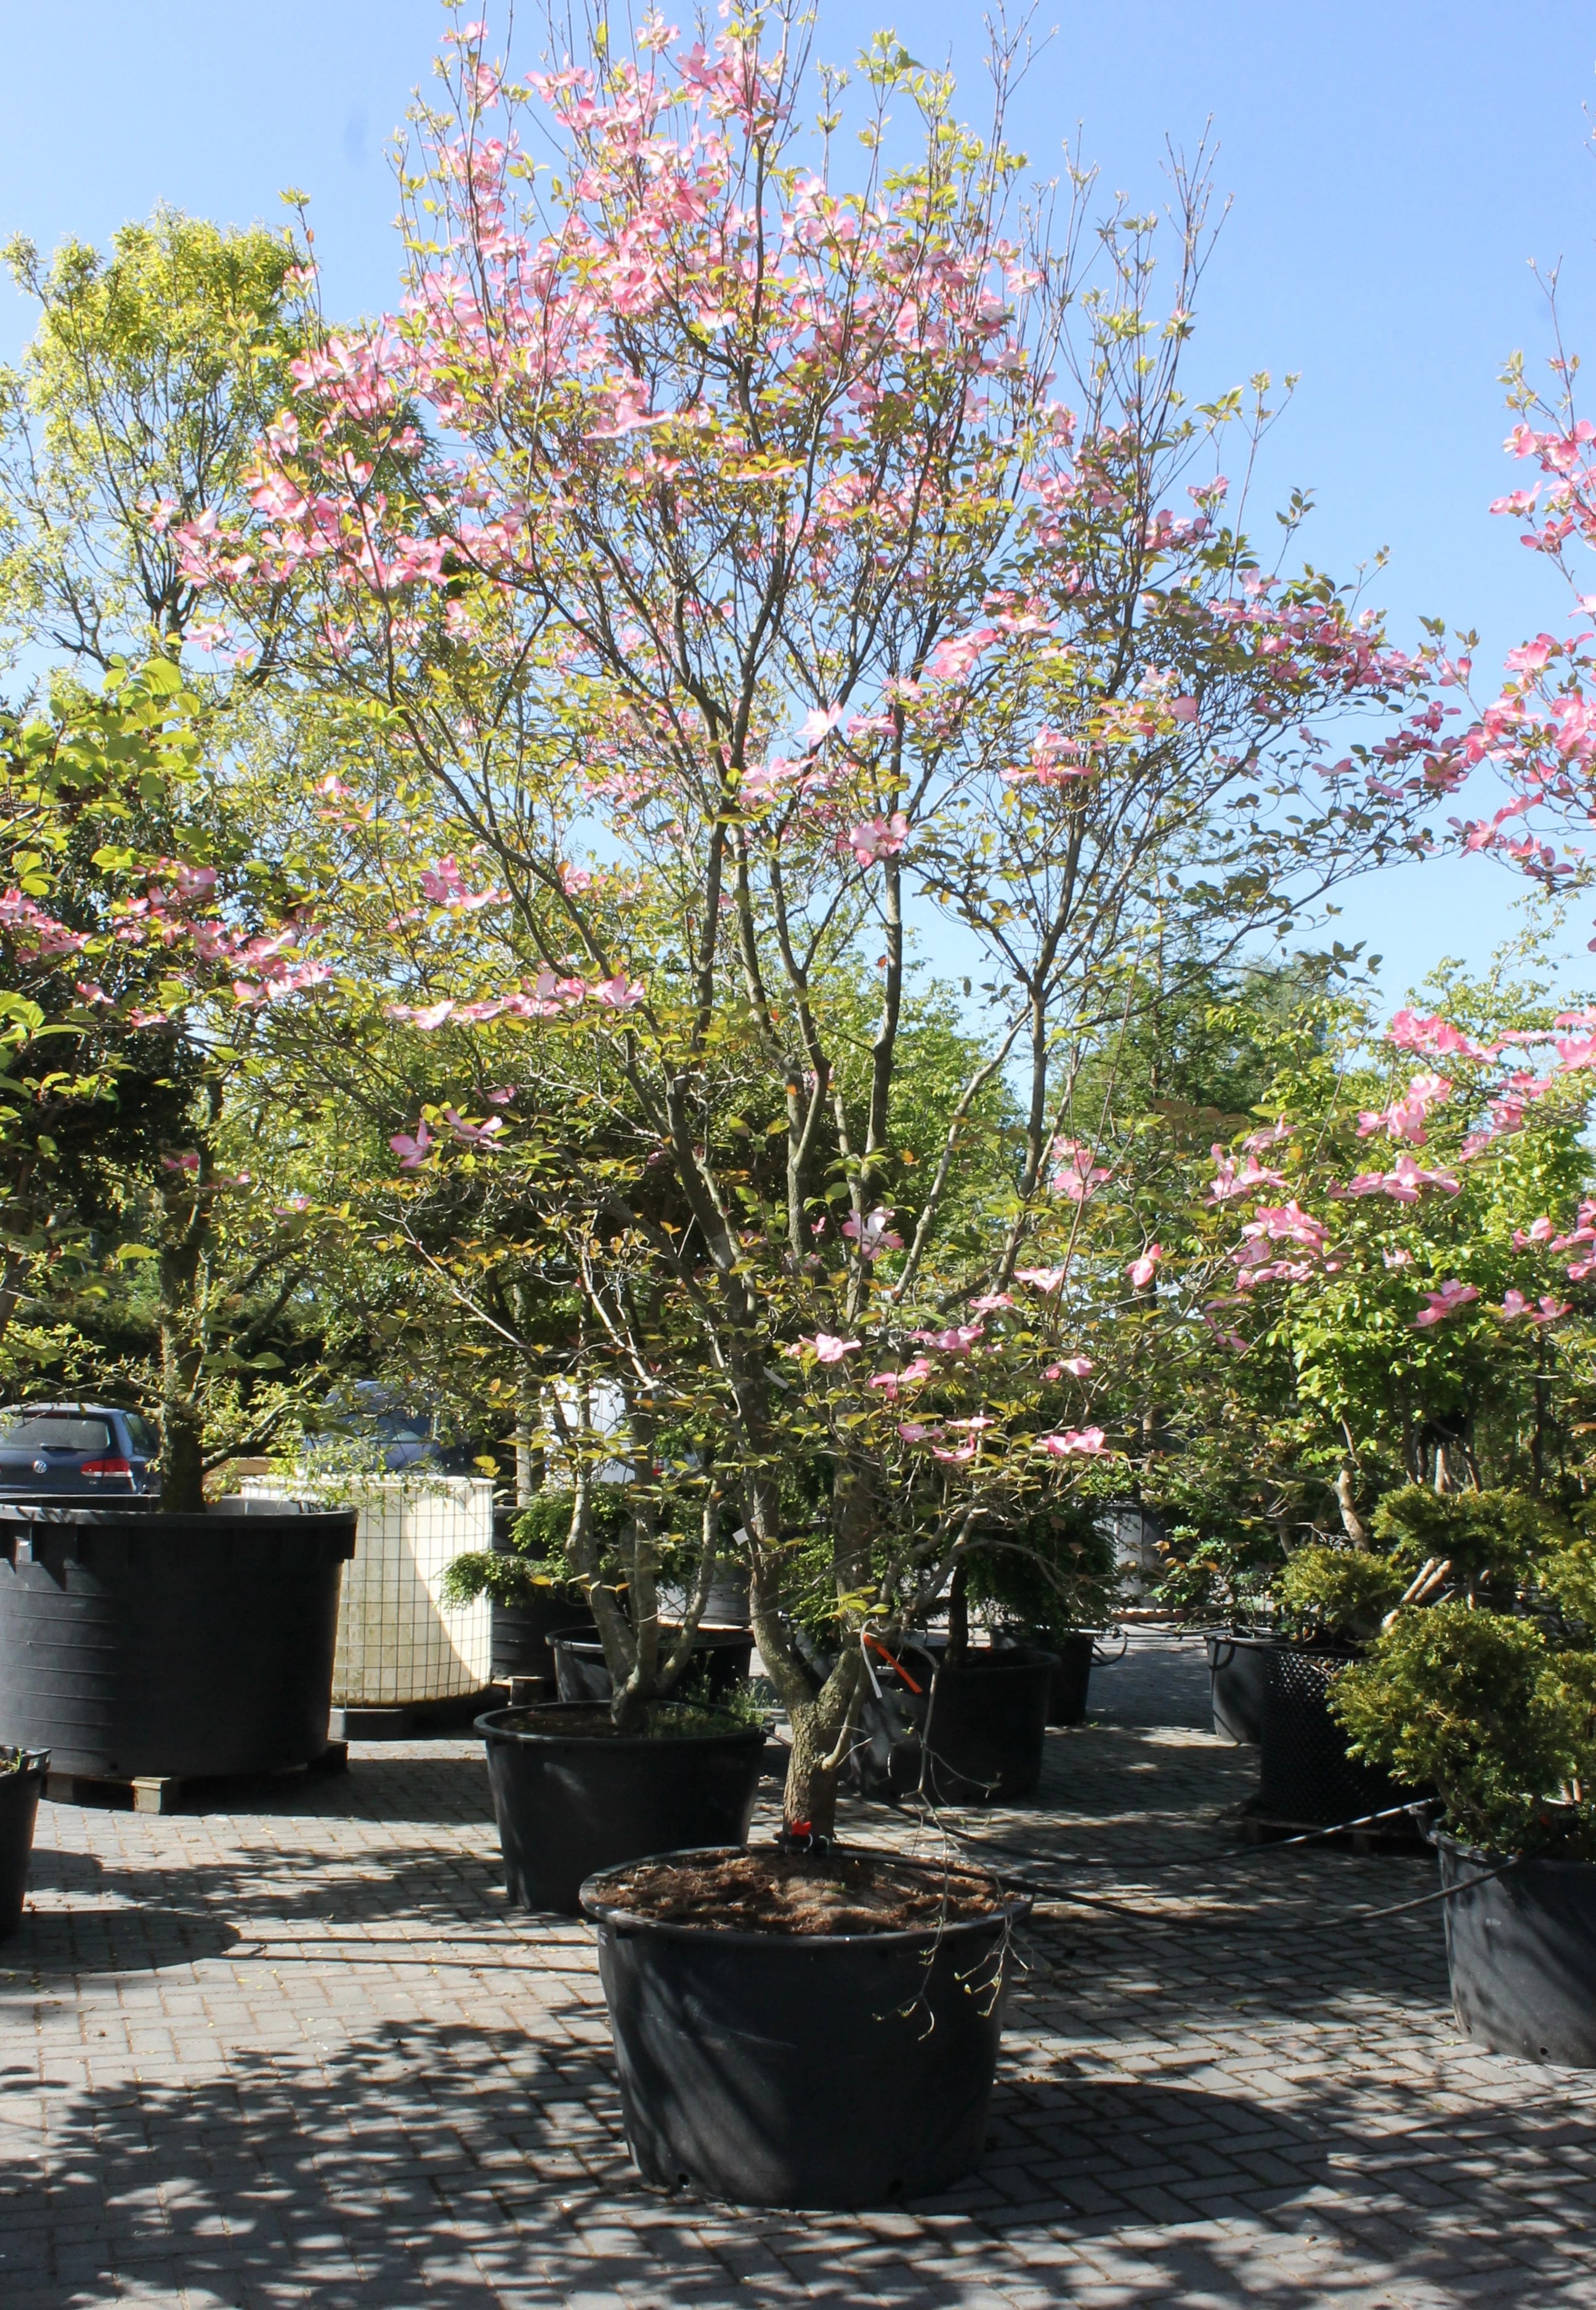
[(300, 2051)]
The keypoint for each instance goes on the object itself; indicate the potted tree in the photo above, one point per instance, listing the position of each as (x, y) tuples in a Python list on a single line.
[(647, 1747), (784, 587), (1487, 1692)]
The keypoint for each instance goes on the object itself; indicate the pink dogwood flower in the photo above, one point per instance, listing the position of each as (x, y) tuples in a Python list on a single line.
[(1439, 1305), (878, 838), (874, 1234), (1088, 1442)]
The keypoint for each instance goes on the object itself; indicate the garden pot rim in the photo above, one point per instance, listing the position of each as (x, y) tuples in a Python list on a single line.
[(1016, 1906), (1501, 1862), (491, 1727), (34, 1765), (76, 1514), (1279, 1643), (586, 1636)]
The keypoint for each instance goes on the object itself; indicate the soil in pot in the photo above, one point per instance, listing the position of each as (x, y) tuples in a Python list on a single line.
[(135, 1642), (719, 1663), (1304, 1772), (1520, 1950), (1239, 1674), (803, 2031), (572, 1795), (22, 1785)]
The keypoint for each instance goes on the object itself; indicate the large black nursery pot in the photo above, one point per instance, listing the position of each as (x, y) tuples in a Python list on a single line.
[(579, 1662), (986, 1726), (1071, 1679), (22, 1783), (975, 1734), (1304, 1772), (1520, 1950), (134, 1643), (571, 1797), (1239, 1675), (521, 1631), (802, 2069)]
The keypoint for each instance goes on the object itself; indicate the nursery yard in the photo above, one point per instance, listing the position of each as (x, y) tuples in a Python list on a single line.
[(300, 2053)]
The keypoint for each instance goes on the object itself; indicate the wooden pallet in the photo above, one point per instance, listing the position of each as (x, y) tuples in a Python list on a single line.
[(1401, 1835), (173, 1792)]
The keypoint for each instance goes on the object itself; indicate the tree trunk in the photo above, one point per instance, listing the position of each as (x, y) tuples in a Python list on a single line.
[(959, 1619), (1352, 1523), (822, 1733), (182, 1458), (529, 1446)]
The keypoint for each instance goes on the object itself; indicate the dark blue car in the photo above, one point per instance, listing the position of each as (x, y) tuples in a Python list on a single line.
[(76, 1451)]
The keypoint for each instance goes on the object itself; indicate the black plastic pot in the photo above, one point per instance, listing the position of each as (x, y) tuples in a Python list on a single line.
[(800, 2069), (22, 1785), (987, 1727), (1305, 1773), (184, 1645), (521, 1632), (568, 1803), (1520, 1949), (579, 1662), (1071, 1676), (1239, 1674)]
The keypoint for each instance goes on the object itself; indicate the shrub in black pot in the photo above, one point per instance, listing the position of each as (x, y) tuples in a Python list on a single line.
[(572, 1795), (136, 1643), (528, 1582), (1331, 1600), (22, 1785), (1050, 1578), (1489, 1696), (803, 2029)]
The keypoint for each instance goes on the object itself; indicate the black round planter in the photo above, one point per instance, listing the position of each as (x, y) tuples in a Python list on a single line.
[(1520, 1950), (1238, 1673), (987, 1727), (1305, 1773), (181, 1645), (579, 1662), (803, 2070), (22, 1785), (568, 1803), (1071, 1676), (521, 1631)]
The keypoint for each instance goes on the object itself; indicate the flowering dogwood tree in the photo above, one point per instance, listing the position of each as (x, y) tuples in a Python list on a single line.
[(142, 945), (731, 562)]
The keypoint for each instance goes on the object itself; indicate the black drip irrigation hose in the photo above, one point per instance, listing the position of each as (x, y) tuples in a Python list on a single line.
[(1062, 1896)]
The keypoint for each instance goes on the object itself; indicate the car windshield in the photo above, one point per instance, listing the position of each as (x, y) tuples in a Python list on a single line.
[(52, 1431)]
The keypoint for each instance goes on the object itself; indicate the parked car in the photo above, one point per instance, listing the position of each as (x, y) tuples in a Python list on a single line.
[(76, 1451), (406, 1432)]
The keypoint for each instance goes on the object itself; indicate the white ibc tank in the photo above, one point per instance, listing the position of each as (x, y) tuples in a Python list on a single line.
[(396, 1644)]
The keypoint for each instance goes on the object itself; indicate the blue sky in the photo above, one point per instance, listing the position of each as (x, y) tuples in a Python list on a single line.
[(1394, 169)]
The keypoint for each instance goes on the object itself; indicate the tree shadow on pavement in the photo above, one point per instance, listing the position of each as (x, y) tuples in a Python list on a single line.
[(461, 2166)]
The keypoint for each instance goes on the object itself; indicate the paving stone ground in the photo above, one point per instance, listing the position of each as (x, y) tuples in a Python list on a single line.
[(299, 2051)]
